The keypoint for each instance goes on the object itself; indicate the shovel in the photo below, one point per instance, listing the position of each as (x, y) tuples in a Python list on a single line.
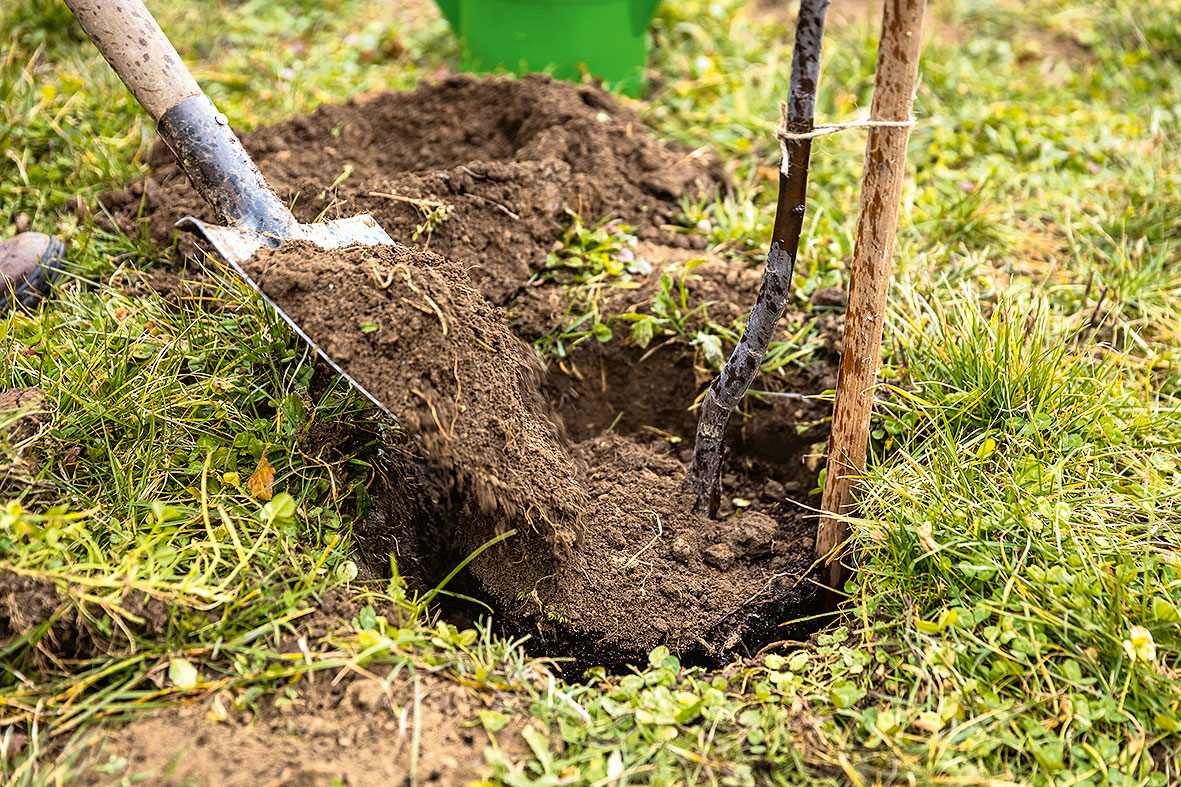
[(207, 150)]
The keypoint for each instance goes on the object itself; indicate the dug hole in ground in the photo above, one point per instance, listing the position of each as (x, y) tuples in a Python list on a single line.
[(607, 561), (584, 460)]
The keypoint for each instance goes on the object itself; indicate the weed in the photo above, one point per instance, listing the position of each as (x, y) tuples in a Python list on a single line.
[(590, 255), (432, 219), (588, 261)]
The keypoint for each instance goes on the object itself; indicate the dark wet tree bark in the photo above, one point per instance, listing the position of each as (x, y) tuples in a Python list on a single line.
[(705, 472)]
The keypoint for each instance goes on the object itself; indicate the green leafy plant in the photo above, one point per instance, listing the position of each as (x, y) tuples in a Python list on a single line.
[(589, 255)]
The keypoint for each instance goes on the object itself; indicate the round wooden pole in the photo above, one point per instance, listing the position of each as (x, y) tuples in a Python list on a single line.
[(704, 478), (869, 279)]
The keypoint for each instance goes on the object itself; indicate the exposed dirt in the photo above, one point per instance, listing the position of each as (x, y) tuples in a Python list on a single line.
[(510, 157), (28, 604), (634, 567), (408, 326), (584, 460), (340, 729), (586, 466), (24, 414), (650, 572)]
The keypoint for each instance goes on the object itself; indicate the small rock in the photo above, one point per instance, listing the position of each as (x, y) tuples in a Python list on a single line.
[(681, 549), (773, 490), (830, 297), (366, 695), (752, 534), (720, 557)]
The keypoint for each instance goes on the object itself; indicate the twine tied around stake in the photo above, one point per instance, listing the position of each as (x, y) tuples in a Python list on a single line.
[(824, 129)]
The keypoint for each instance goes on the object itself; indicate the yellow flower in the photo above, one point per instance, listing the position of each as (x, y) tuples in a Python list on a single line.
[(1139, 645)]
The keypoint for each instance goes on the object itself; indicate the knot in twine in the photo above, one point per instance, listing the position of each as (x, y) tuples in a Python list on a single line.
[(824, 129)]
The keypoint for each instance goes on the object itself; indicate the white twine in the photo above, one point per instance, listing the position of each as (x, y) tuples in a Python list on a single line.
[(824, 129)]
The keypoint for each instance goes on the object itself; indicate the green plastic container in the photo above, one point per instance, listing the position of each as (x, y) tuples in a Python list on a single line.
[(608, 38)]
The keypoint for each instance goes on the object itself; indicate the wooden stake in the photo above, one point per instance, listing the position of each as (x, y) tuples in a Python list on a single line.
[(705, 471), (869, 280)]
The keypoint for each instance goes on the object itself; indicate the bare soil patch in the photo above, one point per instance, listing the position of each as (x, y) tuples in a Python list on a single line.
[(607, 558), (24, 417), (510, 158), (42, 628), (390, 727)]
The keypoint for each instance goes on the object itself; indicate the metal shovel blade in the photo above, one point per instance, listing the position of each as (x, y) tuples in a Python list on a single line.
[(236, 245)]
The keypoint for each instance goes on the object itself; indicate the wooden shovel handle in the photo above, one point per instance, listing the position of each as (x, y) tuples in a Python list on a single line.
[(135, 46)]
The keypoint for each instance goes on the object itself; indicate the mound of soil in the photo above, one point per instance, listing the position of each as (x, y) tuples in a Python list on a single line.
[(409, 327), (509, 158), (634, 567)]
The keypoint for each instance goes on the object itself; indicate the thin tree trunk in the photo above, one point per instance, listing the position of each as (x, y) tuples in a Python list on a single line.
[(705, 472), (869, 279)]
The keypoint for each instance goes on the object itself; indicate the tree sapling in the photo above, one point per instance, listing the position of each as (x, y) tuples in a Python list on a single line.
[(705, 472)]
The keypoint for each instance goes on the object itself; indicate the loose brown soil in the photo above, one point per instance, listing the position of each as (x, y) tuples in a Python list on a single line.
[(584, 461), (24, 415), (633, 567), (52, 629), (510, 157), (340, 729), (410, 328)]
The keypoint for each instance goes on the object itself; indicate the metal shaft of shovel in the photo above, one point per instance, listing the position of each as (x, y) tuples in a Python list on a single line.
[(208, 151)]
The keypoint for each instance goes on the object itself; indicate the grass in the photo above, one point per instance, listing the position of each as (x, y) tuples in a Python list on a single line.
[(1015, 614)]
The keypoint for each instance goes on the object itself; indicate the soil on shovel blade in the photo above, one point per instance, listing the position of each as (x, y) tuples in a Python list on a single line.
[(584, 461)]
